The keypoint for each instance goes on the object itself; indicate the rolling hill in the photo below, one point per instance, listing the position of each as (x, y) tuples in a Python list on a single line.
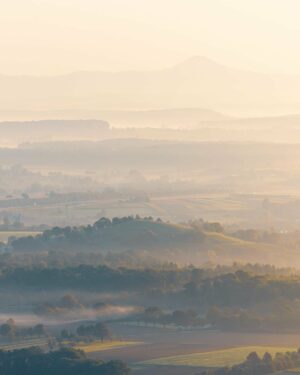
[(163, 241)]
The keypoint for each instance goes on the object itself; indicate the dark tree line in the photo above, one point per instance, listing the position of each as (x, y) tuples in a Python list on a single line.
[(96, 278), (242, 289), (195, 286), (88, 332), (155, 315), (96, 331), (63, 362)]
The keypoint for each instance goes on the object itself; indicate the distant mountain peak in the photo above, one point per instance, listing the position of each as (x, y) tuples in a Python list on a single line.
[(197, 62)]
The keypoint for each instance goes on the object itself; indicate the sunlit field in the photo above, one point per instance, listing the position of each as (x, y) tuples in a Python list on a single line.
[(217, 358), (102, 346)]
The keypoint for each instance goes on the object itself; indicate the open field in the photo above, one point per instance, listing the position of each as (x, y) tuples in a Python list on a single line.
[(217, 358), (4, 236), (176, 208), (101, 346), (161, 344)]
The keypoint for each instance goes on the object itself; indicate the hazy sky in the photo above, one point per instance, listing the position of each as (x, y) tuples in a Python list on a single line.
[(59, 36)]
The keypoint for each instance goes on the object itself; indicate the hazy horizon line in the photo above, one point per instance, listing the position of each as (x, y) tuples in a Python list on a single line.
[(193, 58)]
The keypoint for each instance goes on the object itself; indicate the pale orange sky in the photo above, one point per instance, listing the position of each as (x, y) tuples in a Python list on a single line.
[(60, 36)]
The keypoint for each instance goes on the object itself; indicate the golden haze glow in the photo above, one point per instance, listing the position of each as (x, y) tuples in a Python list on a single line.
[(58, 36)]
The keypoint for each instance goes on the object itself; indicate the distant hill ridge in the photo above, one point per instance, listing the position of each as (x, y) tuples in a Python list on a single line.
[(177, 117), (197, 82), (25, 131), (54, 124)]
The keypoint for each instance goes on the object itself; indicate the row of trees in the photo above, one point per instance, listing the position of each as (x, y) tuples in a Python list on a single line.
[(97, 331), (155, 315), (285, 317), (88, 332), (10, 330), (260, 366)]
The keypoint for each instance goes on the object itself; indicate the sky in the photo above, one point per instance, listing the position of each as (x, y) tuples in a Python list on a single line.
[(51, 37)]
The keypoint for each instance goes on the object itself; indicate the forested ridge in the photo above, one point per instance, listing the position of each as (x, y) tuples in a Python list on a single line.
[(106, 234), (240, 288)]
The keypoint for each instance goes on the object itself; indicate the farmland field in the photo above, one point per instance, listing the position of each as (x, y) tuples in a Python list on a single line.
[(176, 208), (217, 358), (215, 207), (186, 348)]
